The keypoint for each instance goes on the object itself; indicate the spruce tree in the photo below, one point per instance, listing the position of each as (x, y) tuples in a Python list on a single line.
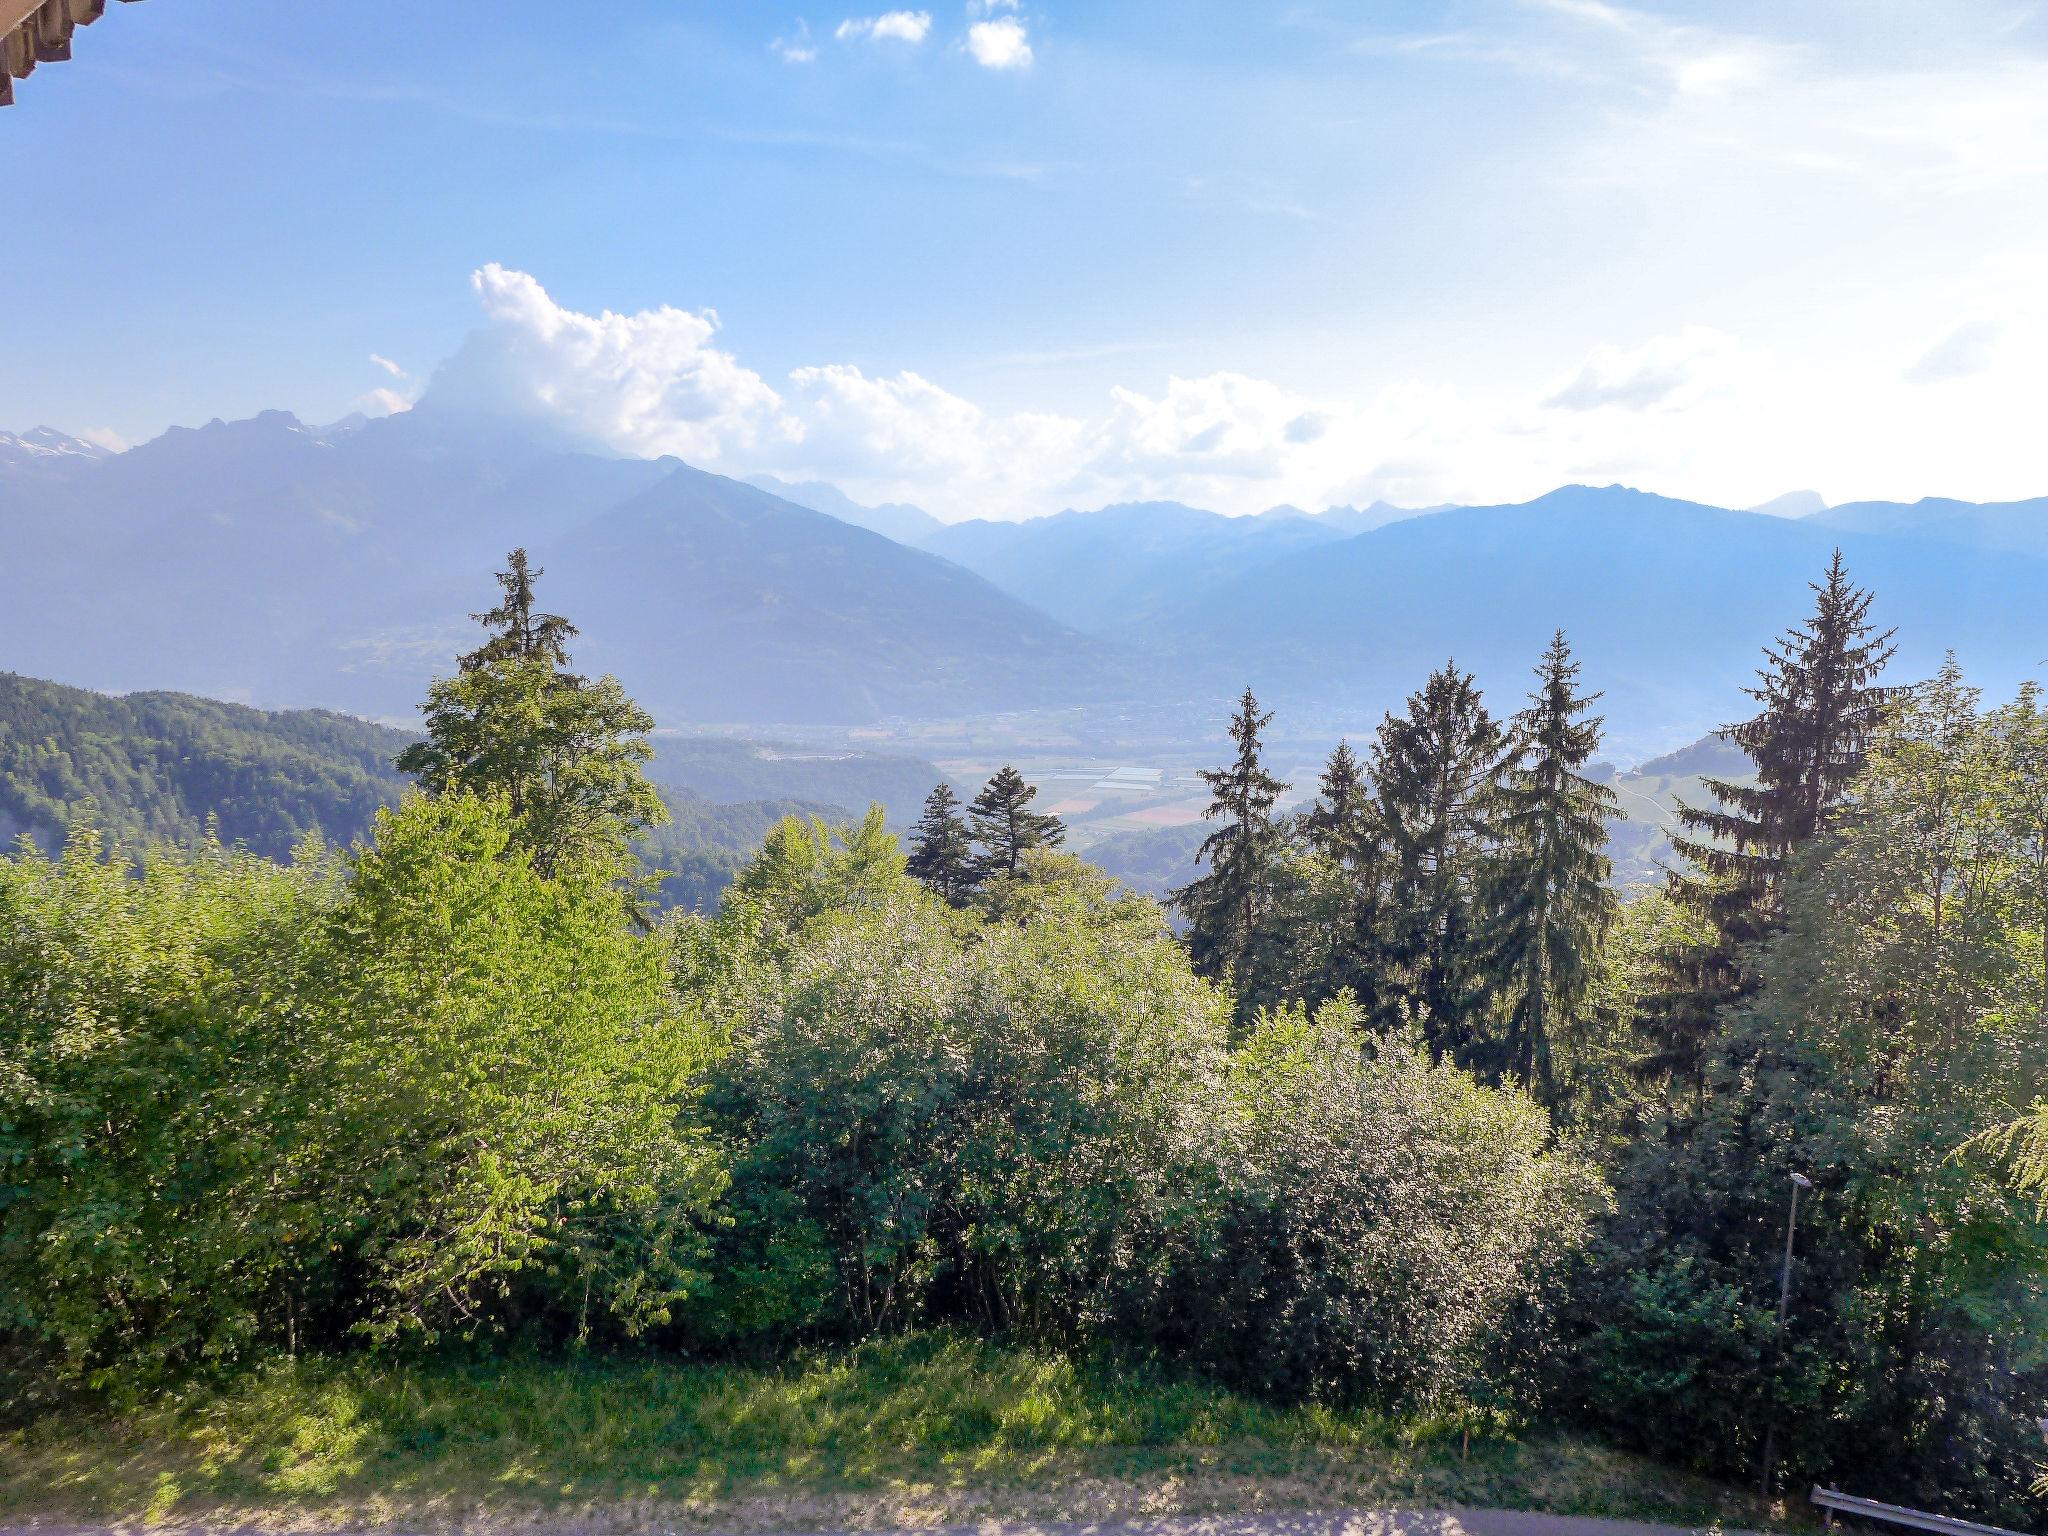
[(941, 847), (565, 752), (1005, 825), (1343, 826), (1340, 824), (1548, 908), (1821, 705), (1436, 766), (1226, 907)]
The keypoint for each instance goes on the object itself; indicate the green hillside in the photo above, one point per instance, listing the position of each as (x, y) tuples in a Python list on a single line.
[(159, 765)]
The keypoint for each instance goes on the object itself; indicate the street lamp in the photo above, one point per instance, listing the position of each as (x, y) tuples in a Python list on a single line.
[(1799, 1181)]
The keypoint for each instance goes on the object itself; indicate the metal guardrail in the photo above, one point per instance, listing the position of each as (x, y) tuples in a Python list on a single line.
[(1835, 1502)]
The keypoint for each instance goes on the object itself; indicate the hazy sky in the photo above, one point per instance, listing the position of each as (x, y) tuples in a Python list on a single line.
[(1002, 258)]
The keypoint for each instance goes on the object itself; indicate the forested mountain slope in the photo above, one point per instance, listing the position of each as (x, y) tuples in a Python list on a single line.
[(161, 765), (167, 766)]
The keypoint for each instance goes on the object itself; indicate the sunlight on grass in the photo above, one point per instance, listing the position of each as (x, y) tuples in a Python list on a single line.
[(921, 1420)]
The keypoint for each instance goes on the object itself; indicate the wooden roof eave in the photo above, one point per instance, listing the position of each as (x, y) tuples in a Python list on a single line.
[(36, 32)]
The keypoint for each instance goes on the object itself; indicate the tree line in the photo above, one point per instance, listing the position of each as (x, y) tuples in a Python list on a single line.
[(1416, 1113)]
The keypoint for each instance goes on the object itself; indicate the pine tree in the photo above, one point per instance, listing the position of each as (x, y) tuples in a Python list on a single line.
[(1820, 707), (1226, 907), (565, 752), (1341, 822), (1343, 826), (520, 634), (1005, 825), (941, 847), (1435, 766), (1548, 905)]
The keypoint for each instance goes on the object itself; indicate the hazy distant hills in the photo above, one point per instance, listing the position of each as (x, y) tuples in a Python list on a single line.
[(273, 562), (892, 519), (1666, 604), (269, 561), (1117, 569), (715, 599), (2020, 526)]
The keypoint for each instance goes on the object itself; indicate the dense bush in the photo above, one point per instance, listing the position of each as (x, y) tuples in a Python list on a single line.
[(243, 1105), (1386, 1219), (150, 1044), (935, 1116)]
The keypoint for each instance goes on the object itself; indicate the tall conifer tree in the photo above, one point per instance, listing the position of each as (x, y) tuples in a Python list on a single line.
[(1006, 826), (1343, 825), (567, 753), (1341, 822), (1821, 705), (941, 847), (1226, 907), (1548, 905), (1436, 767)]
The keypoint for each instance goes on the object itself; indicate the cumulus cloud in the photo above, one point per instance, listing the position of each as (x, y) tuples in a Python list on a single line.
[(1665, 372), (103, 437), (646, 383), (999, 44), (1662, 415), (899, 26), (797, 47), (1968, 349)]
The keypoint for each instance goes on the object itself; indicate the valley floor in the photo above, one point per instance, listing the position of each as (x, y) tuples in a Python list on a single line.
[(927, 1431)]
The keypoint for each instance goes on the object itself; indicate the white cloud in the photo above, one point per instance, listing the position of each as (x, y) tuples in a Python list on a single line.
[(383, 402), (646, 383), (387, 365), (796, 48), (999, 44), (1664, 373), (1968, 349), (1694, 412), (899, 26), (104, 437)]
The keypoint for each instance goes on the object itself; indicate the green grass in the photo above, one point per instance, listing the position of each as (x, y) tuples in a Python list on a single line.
[(932, 1427)]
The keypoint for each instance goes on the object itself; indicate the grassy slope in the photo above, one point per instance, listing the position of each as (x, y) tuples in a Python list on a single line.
[(901, 1431)]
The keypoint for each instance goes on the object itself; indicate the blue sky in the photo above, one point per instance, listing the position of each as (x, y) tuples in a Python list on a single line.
[(1239, 254)]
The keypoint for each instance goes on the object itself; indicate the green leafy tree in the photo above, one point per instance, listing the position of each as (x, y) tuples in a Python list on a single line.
[(942, 848), (1228, 909), (565, 752), (1549, 909), (1436, 765), (1820, 706), (1005, 825), (508, 1081)]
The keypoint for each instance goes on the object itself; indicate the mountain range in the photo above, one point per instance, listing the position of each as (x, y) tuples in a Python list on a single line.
[(274, 562)]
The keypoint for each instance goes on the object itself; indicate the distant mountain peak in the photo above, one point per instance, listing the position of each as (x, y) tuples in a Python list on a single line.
[(893, 520), (1792, 504), (41, 444)]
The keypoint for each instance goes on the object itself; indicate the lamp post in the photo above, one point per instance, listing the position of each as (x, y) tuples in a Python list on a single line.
[(1799, 1181)]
